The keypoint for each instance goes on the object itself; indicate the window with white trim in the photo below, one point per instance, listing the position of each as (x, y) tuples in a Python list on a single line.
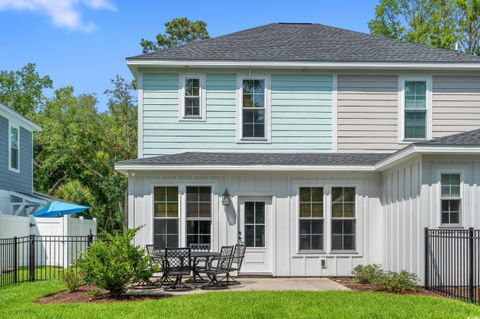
[(416, 108), (451, 199), (14, 149), (254, 102), (199, 215), (311, 218), (343, 218), (192, 97), (165, 217)]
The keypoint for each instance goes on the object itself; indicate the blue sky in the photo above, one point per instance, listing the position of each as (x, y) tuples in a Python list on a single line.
[(84, 43)]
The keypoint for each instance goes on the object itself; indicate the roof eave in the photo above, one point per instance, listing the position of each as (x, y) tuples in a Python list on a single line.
[(133, 64), (26, 123), (243, 168)]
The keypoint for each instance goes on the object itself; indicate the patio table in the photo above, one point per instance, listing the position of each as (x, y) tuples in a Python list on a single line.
[(194, 255)]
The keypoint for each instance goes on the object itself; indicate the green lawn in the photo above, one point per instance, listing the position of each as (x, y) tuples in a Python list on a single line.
[(17, 302)]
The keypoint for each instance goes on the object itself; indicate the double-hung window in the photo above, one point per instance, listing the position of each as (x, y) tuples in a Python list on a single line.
[(165, 217), (311, 218), (451, 199), (254, 100), (192, 98), (416, 108), (343, 218), (14, 149), (199, 215)]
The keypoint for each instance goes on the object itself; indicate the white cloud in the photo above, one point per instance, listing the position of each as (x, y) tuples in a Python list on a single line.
[(64, 13)]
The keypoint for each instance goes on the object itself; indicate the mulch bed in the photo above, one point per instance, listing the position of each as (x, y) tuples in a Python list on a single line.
[(84, 295), (349, 282)]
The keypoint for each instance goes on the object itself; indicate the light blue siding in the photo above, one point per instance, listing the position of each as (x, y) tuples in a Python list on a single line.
[(301, 115), (9, 180)]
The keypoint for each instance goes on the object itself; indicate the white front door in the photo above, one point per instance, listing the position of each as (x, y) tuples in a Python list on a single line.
[(256, 231)]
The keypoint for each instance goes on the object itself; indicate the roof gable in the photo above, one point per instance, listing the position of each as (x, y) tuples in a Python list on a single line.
[(305, 42)]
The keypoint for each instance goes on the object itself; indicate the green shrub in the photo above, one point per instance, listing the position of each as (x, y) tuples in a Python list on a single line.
[(397, 282), (114, 262), (73, 279), (367, 274)]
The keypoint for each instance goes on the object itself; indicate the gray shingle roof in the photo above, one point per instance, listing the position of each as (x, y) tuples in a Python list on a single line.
[(465, 138), (284, 159), (299, 42)]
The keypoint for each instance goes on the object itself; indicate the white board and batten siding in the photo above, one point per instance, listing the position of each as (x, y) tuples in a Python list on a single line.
[(282, 189), (411, 202), (301, 115)]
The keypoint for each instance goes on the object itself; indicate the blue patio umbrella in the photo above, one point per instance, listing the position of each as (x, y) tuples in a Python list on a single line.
[(58, 209)]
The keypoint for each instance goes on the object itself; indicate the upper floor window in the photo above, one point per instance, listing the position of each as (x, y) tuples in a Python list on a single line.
[(192, 97), (253, 122), (415, 108), (253, 106), (450, 199), (14, 149)]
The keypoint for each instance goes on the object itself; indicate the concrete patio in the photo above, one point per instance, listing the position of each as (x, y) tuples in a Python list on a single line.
[(261, 283)]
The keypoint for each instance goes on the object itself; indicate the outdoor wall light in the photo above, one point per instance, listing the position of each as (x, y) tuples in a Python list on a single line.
[(226, 198)]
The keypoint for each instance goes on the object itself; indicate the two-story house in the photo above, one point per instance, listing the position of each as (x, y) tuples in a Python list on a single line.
[(320, 148), (16, 164)]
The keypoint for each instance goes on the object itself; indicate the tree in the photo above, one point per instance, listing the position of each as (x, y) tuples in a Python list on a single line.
[(436, 23), (74, 191), (179, 31), (23, 90)]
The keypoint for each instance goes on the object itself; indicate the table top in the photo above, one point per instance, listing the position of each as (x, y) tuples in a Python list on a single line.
[(194, 253)]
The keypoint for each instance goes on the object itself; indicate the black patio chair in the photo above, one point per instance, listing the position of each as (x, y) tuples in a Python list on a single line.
[(198, 262), (238, 256), (158, 259), (178, 264), (219, 265)]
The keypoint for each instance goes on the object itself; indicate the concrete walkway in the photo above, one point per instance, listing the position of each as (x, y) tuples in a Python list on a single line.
[(265, 284)]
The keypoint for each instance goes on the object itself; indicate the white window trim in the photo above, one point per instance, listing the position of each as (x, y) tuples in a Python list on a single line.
[(268, 105), (401, 107), (10, 126), (182, 208), (462, 197), (181, 98), (327, 218)]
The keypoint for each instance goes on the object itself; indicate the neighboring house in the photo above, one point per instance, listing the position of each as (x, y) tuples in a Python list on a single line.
[(16, 164), (335, 147)]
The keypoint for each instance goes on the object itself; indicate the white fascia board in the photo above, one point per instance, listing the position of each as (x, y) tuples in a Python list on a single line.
[(414, 150), (18, 119), (244, 168), (133, 63)]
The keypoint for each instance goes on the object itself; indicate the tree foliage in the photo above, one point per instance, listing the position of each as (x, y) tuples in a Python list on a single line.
[(437, 23), (74, 155), (23, 90), (179, 31)]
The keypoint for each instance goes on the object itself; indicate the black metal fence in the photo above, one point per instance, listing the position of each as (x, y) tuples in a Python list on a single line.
[(452, 264), (32, 258)]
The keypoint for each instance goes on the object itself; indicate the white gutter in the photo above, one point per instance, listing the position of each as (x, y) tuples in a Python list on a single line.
[(305, 65), (243, 168)]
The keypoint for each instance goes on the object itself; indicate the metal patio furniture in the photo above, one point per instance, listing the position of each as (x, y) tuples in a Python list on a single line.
[(158, 257), (238, 256), (199, 262), (177, 263), (219, 265)]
